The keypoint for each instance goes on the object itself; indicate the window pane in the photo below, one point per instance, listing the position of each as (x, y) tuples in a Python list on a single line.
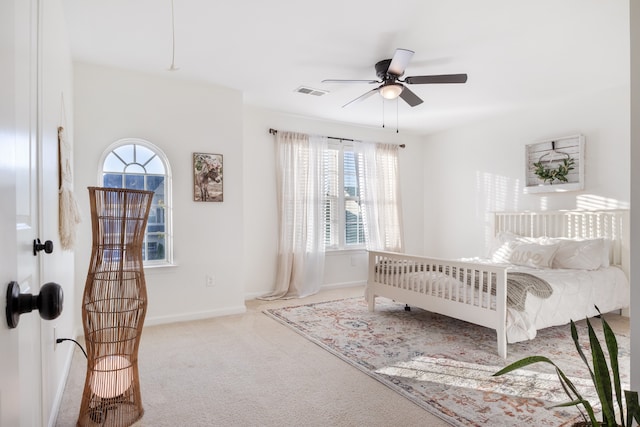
[(354, 231), (155, 247), (350, 174), (113, 164), (134, 182), (134, 168), (143, 154), (156, 227), (126, 153), (112, 180), (155, 183), (155, 166)]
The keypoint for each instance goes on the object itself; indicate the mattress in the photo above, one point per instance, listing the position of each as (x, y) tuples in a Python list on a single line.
[(576, 293)]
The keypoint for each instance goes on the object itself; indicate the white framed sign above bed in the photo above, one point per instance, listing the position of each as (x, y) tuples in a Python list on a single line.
[(555, 165)]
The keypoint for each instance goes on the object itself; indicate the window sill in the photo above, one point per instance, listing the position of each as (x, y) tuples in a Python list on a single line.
[(159, 266), (337, 252)]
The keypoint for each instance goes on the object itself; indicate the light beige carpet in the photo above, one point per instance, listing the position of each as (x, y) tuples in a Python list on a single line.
[(249, 370)]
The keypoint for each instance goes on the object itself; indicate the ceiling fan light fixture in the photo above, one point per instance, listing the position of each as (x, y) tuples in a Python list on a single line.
[(389, 72), (391, 90)]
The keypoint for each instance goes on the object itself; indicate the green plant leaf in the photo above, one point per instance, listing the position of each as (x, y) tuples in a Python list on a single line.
[(522, 363), (559, 173), (601, 376), (602, 380), (571, 393), (612, 349), (587, 406), (568, 386), (576, 341), (579, 400), (633, 408)]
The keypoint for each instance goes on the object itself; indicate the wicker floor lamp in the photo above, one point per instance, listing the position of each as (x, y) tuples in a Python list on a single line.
[(114, 306)]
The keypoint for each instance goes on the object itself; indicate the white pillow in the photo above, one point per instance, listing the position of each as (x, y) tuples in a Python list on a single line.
[(506, 236), (588, 254), (526, 254), (500, 239)]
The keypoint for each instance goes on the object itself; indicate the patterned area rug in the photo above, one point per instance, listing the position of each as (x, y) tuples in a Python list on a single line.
[(445, 365)]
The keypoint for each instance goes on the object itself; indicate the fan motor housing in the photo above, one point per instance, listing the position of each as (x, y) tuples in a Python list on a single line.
[(381, 69)]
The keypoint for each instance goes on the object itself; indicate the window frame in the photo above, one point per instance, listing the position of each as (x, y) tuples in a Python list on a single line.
[(168, 205), (342, 146)]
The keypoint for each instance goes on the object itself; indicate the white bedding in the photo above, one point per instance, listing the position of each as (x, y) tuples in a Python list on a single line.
[(575, 292)]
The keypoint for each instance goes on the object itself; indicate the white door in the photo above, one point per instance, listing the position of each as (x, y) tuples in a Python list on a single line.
[(21, 385), (9, 398), (26, 149)]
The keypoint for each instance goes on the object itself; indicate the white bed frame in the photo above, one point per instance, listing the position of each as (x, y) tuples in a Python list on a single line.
[(473, 304)]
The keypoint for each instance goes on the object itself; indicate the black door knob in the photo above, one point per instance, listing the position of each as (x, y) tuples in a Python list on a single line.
[(47, 246), (48, 302)]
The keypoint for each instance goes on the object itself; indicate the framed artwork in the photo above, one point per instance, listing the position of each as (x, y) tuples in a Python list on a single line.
[(555, 165), (207, 177)]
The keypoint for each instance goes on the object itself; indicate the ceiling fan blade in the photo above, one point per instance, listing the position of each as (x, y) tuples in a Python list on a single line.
[(361, 97), (400, 61), (410, 98), (442, 78), (349, 81)]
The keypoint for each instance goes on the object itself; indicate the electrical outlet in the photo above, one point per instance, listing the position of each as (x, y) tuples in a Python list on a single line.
[(210, 281)]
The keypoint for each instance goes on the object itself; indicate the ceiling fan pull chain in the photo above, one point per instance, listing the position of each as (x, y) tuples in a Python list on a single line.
[(383, 113), (397, 117)]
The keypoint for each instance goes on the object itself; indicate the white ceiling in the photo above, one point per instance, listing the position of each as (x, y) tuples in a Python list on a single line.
[(515, 52)]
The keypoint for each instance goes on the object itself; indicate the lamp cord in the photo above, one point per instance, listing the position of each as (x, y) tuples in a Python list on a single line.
[(383, 112), (59, 340)]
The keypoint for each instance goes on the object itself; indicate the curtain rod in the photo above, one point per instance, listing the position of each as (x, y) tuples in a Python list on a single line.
[(275, 131)]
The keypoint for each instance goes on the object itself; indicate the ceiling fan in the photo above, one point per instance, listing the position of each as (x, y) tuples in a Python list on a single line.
[(391, 86)]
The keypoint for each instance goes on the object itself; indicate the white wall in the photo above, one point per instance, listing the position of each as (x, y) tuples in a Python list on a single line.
[(261, 224), (180, 118), (235, 240), (479, 168)]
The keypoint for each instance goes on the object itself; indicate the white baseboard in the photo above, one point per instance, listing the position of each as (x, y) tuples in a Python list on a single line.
[(185, 317), (343, 285)]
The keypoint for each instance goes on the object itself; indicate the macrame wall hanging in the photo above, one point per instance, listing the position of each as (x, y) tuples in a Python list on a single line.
[(68, 212)]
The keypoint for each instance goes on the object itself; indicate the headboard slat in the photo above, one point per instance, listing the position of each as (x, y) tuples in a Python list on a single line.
[(609, 224)]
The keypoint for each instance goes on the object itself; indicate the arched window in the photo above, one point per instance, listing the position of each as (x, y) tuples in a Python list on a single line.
[(138, 164)]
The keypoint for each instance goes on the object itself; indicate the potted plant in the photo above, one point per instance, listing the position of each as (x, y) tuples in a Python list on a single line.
[(606, 380)]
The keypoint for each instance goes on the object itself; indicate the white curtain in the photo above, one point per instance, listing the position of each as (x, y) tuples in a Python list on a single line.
[(380, 196), (300, 173)]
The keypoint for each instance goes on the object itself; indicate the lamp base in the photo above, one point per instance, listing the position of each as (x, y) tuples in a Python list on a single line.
[(111, 412)]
